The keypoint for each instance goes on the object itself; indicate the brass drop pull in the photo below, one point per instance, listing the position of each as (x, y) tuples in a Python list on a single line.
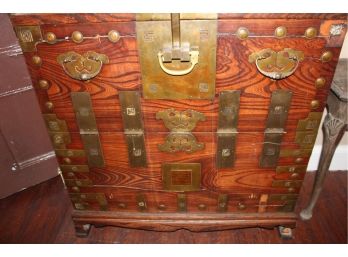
[(82, 67), (193, 60), (277, 65)]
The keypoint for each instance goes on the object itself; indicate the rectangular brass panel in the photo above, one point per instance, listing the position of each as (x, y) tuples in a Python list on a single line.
[(222, 203), (291, 169), (183, 16), (201, 35), (312, 122), (295, 152), (74, 168), (136, 150), (282, 197), (88, 128), (28, 37), (182, 205), (306, 139), (286, 183), (227, 128), (141, 202), (277, 116), (181, 176), (70, 153)]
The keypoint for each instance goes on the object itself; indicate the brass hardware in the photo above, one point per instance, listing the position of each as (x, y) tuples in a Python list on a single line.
[(312, 122), (69, 174), (54, 124), (277, 65), (113, 36), (167, 16), (180, 124), (182, 206), (282, 197), (44, 84), (141, 202), (291, 169), (82, 67), (202, 207), (88, 128), (74, 168), (320, 82), (299, 160), (29, 37), (77, 37), (291, 189), (67, 160), (122, 206), (310, 32), (222, 203), (241, 206), (294, 175), (36, 60), (49, 105), (78, 183), (81, 206), (181, 176), (227, 128), (280, 32), (50, 38), (287, 183), (314, 104), (242, 33), (175, 51), (162, 207), (60, 139), (326, 56), (94, 197), (133, 127), (305, 139), (277, 116), (295, 152), (289, 206), (70, 153), (75, 189)]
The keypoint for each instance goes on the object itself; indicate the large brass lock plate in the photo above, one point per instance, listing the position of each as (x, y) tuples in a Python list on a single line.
[(177, 55)]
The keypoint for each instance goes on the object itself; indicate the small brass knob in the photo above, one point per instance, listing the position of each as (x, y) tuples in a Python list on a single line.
[(50, 38), (294, 175), (241, 206), (291, 189), (326, 56), (242, 33), (122, 205), (113, 36), (280, 32), (310, 32), (202, 207), (77, 37), (36, 60), (314, 104), (320, 82), (162, 207), (49, 105), (299, 160), (76, 189), (43, 84), (67, 160)]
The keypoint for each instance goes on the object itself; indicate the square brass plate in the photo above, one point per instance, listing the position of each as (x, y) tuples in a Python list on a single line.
[(181, 176)]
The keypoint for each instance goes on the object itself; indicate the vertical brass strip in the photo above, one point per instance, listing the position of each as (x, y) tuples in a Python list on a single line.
[(227, 128), (263, 203), (88, 128), (141, 202), (182, 205), (277, 116), (133, 127), (222, 203)]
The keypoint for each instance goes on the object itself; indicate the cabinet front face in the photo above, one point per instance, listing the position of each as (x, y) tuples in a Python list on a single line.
[(146, 117)]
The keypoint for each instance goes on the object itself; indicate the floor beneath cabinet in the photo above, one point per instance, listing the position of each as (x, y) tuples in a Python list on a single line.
[(41, 214)]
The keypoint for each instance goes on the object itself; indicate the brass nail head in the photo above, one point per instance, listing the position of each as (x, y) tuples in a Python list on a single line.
[(314, 104), (67, 160), (51, 38), (280, 32), (37, 60), (202, 206), (43, 84), (320, 82), (241, 206), (49, 105), (242, 33), (113, 36), (326, 56), (310, 32), (77, 37), (162, 207), (299, 160)]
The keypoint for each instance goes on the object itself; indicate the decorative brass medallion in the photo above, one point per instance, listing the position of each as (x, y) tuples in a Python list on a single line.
[(82, 67), (180, 124), (277, 65)]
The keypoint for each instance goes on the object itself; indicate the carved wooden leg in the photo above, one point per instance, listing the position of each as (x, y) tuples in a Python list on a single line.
[(82, 230), (333, 129), (285, 232)]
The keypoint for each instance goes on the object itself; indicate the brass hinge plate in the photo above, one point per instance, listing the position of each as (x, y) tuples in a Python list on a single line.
[(28, 37)]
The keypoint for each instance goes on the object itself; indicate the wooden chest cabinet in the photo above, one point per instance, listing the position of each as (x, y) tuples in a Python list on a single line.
[(196, 121)]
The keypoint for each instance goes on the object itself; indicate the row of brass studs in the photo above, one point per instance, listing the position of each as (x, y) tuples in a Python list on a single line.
[(279, 32), (77, 37)]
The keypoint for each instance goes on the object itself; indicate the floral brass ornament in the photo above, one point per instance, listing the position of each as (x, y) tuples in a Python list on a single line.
[(277, 65), (82, 67), (180, 124)]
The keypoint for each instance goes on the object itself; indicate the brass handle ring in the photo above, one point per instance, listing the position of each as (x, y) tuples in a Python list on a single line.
[(193, 60)]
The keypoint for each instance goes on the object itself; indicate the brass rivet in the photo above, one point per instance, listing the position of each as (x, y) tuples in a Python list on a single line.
[(241, 206), (49, 105), (122, 205), (67, 160), (76, 189), (202, 206), (299, 160), (51, 38), (314, 104), (310, 32), (291, 189), (162, 207), (71, 174), (326, 56), (320, 82), (242, 33), (113, 36), (77, 37), (294, 175), (37, 60), (280, 32), (43, 84)]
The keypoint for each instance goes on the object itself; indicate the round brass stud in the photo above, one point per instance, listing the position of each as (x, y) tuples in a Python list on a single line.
[(43, 84), (326, 56), (291, 189), (294, 175), (241, 206), (37, 60), (320, 82), (280, 32), (202, 207), (77, 37), (310, 32), (71, 174), (299, 160), (67, 160), (113, 36), (49, 105), (314, 104), (122, 205), (162, 207), (50, 38), (76, 189), (242, 33)]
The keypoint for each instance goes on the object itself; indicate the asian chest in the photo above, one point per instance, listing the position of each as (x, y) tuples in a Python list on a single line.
[(169, 121)]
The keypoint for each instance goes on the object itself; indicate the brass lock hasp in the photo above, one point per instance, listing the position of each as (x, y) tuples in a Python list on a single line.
[(177, 55)]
